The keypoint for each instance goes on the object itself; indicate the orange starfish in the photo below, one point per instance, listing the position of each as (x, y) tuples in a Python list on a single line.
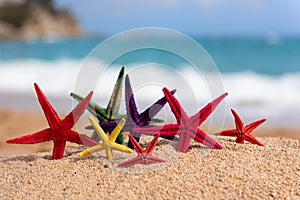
[(242, 132), (60, 130)]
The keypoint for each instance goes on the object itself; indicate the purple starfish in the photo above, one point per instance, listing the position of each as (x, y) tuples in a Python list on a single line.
[(135, 119)]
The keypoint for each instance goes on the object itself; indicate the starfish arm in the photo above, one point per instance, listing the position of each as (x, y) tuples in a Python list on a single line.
[(240, 139), (78, 138), (151, 159), (152, 144), (99, 130), (175, 106), (75, 114), (250, 138), (114, 134), (184, 141), (120, 116), (93, 108), (166, 130), (120, 139), (250, 127), (203, 114), (50, 113), (106, 126), (231, 133), (89, 127), (205, 139), (136, 145), (238, 122), (133, 161), (121, 148), (157, 120), (115, 98), (91, 150), (40, 136), (131, 108), (146, 116), (101, 114), (109, 153), (58, 149)]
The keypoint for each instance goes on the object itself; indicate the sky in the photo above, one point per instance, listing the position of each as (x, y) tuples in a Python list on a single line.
[(201, 17)]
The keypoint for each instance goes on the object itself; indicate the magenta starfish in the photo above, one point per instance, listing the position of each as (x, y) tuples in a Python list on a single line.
[(186, 127), (242, 132), (144, 156), (60, 130)]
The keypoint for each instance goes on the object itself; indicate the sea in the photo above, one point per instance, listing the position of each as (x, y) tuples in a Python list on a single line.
[(260, 74)]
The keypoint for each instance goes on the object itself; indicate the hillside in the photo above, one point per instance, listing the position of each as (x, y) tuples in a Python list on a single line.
[(31, 19)]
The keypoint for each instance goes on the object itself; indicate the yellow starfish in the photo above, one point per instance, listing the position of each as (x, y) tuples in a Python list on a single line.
[(108, 142)]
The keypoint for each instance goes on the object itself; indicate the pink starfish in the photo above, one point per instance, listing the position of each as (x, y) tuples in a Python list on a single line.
[(60, 130), (186, 127), (144, 156), (242, 132)]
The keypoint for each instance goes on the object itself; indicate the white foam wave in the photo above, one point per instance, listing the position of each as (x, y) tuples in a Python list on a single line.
[(55, 77), (254, 95), (273, 97)]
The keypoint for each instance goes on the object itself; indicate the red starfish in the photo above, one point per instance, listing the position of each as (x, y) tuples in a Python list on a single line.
[(186, 127), (144, 157), (242, 132), (60, 130)]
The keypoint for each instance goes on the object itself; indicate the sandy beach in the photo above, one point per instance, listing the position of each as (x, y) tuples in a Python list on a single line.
[(129, 55), (239, 171)]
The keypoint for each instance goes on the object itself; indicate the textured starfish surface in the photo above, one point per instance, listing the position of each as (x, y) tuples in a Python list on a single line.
[(60, 130), (242, 132), (134, 118), (108, 142), (144, 156), (186, 127), (111, 112)]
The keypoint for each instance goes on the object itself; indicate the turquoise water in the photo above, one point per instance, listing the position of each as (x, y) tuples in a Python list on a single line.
[(261, 75), (258, 55)]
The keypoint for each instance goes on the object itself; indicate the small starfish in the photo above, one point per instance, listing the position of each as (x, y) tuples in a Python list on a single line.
[(242, 132), (108, 142), (134, 118), (186, 127), (144, 156), (60, 130), (111, 112)]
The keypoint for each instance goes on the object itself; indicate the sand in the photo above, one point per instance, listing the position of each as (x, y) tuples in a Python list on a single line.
[(240, 171)]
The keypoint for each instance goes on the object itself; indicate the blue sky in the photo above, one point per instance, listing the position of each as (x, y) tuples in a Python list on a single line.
[(203, 17)]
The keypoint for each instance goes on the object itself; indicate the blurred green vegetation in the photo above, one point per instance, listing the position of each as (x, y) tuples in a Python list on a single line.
[(17, 15)]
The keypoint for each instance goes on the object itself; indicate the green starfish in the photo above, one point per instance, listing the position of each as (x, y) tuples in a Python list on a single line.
[(111, 113)]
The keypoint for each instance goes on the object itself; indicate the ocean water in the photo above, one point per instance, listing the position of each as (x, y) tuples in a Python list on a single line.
[(261, 75)]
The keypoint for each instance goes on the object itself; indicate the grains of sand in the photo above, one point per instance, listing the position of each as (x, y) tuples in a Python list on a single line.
[(240, 171)]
